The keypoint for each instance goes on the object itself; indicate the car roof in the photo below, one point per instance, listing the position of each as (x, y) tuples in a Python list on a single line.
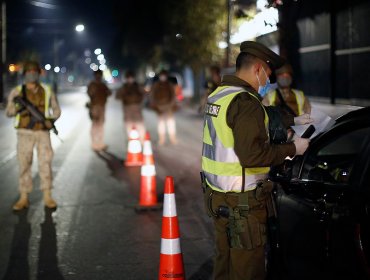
[(363, 113)]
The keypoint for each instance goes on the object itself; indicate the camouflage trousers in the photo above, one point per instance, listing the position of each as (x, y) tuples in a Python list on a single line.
[(27, 141), (166, 121), (97, 127)]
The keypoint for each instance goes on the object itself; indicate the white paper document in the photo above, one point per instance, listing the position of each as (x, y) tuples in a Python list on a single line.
[(321, 122)]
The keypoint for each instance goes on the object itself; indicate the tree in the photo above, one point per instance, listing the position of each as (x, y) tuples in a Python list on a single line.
[(194, 30), (183, 32)]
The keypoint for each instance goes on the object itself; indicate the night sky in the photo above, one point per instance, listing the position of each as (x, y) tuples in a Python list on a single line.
[(31, 27)]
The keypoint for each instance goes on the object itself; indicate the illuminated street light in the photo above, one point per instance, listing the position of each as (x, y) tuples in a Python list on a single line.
[(80, 28), (222, 45), (97, 51), (12, 68), (100, 56), (115, 73), (47, 67), (56, 69)]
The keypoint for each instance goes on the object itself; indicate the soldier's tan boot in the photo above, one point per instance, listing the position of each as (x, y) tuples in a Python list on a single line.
[(22, 202), (48, 200)]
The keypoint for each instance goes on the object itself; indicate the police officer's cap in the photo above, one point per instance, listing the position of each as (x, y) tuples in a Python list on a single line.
[(273, 60), (31, 65)]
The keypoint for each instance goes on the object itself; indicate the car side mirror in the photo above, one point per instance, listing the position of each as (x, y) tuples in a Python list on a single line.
[(281, 173)]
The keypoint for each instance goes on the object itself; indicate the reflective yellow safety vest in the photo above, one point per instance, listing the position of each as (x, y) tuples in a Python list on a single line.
[(299, 97), (48, 93), (220, 164)]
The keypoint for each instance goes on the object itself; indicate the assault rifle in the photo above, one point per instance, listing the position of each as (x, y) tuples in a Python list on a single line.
[(35, 113)]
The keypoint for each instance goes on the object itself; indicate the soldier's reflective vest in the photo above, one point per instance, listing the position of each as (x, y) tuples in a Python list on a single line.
[(48, 93), (220, 164), (299, 97)]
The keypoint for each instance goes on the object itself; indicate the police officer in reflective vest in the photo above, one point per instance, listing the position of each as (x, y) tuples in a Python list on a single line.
[(292, 100), (236, 157), (33, 134)]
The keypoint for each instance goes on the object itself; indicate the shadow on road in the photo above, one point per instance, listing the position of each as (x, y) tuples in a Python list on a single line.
[(204, 272), (18, 267), (48, 260), (115, 164), (130, 175)]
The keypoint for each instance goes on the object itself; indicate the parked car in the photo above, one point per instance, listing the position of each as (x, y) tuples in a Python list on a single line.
[(322, 229)]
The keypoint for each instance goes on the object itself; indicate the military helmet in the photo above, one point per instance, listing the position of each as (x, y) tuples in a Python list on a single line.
[(286, 68), (31, 65)]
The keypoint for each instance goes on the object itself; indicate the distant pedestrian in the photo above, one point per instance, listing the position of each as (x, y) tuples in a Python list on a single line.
[(98, 93), (212, 83), (33, 133), (292, 101), (132, 96), (163, 101)]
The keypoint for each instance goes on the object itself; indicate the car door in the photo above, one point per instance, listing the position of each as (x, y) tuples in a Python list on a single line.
[(315, 223)]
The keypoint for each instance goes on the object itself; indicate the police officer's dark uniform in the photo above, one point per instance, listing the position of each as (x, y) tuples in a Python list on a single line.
[(236, 158)]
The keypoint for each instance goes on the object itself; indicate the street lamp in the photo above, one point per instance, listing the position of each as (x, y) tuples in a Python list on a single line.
[(80, 27)]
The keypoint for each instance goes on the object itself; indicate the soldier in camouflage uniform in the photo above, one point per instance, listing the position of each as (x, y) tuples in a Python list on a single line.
[(98, 93), (163, 101), (132, 96), (31, 133)]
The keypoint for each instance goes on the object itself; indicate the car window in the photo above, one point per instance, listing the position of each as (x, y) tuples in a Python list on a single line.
[(333, 162)]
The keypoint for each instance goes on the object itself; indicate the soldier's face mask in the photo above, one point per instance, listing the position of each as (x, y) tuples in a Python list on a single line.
[(130, 80), (163, 78), (263, 90), (284, 81), (31, 77)]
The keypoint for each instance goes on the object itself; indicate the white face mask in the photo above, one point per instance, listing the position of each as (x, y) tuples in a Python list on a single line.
[(130, 80), (31, 77), (163, 78), (284, 82)]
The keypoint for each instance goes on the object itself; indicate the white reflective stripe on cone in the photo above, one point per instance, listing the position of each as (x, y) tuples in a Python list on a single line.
[(147, 150), (148, 170), (169, 209), (170, 246), (134, 146), (134, 134)]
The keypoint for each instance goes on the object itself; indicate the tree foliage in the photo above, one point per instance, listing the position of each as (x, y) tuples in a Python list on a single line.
[(149, 29), (194, 30)]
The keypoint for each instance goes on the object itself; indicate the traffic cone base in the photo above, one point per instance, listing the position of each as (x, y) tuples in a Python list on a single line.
[(148, 193), (175, 262), (171, 264)]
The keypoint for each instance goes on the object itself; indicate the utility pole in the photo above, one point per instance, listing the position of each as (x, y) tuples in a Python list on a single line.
[(2, 50)]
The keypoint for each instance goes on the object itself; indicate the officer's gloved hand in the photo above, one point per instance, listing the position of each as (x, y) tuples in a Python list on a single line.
[(303, 119), (301, 144)]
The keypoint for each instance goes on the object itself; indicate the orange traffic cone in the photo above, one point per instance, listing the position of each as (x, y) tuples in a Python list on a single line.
[(148, 194), (170, 263), (134, 152)]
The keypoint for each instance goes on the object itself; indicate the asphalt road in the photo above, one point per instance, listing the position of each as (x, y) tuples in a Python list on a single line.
[(95, 232)]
